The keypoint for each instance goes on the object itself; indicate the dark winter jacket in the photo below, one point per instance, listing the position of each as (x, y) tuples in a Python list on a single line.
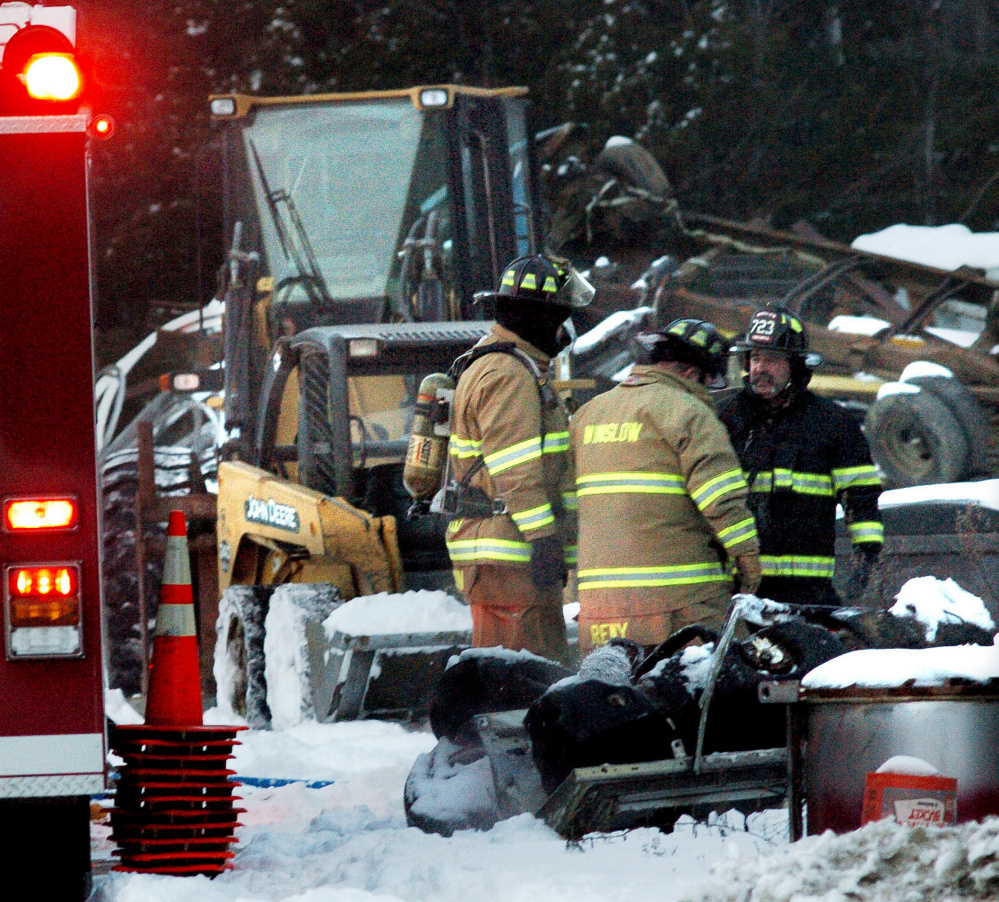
[(799, 461)]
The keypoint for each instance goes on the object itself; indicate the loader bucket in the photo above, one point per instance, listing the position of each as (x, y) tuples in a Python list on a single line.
[(338, 663)]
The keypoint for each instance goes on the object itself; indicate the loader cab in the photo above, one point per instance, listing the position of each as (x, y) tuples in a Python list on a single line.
[(386, 206), (335, 415)]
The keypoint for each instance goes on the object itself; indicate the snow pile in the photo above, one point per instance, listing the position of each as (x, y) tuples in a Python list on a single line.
[(895, 667), (882, 862), (945, 247), (985, 493), (933, 601), (404, 613)]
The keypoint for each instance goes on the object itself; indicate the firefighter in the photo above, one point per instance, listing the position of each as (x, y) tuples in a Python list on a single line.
[(512, 536), (801, 454), (663, 519)]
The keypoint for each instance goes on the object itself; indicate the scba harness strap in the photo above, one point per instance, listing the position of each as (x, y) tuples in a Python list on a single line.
[(460, 499)]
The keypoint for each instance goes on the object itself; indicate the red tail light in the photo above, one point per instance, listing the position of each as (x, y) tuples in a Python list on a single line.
[(43, 616)]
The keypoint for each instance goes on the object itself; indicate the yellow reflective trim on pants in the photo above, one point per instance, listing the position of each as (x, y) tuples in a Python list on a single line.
[(471, 550)]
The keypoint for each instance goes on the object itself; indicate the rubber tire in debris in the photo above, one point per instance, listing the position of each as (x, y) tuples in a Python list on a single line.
[(916, 439), (969, 413)]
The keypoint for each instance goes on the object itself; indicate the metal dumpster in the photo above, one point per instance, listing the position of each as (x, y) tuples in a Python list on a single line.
[(847, 733)]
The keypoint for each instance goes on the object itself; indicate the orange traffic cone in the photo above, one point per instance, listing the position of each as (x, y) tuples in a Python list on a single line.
[(174, 697)]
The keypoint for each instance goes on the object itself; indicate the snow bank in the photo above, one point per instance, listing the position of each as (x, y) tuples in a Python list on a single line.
[(985, 492), (944, 247), (895, 667), (934, 601), (384, 614), (882, 862)]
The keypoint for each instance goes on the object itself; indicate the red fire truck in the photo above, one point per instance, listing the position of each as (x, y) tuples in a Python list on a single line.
[(52, 727)]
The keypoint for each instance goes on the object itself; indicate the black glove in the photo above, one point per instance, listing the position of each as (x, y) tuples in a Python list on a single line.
[(865, 559), (548, 570)]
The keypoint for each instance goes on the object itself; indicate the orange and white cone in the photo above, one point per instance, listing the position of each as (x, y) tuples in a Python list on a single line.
[(174, 697)]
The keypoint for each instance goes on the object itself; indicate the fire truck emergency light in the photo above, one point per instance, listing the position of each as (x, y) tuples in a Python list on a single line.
[(51, 76), (43, 610), (40, 513)]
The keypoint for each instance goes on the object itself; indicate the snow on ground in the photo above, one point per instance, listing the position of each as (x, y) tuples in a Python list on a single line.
[(338, 832), (881, 862), (348, 841)]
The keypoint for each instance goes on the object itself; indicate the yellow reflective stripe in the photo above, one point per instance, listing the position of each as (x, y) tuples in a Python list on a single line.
[(812, 484), (851, 477), (740, 532), (569, 501), (534, 518), (797, 565), (650, 577), (802, 483), (555, 442), (499, 461), (470, 550), (464, 447), (614, 483), (866, 531), (718, 487), (570, 555), (782, 478)]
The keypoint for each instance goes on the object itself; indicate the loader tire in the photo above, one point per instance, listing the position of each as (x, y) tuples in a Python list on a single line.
[(969, 413), (119, 486), (239, 654), (915, 439)]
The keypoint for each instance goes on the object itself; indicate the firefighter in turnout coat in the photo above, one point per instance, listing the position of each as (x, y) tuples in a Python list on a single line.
[(512, 533), (663, 521), (802, 455)]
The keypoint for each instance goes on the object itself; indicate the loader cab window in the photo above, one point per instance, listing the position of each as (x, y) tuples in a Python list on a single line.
[(348, 181), (381, 415), (520, 167)]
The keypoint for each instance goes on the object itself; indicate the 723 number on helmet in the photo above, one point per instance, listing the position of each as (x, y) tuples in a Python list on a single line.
[(762, 327)]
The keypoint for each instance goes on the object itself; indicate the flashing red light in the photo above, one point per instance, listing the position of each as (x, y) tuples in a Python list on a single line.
[(52, 76), (102, 126), (44, 595), (40, 513)]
